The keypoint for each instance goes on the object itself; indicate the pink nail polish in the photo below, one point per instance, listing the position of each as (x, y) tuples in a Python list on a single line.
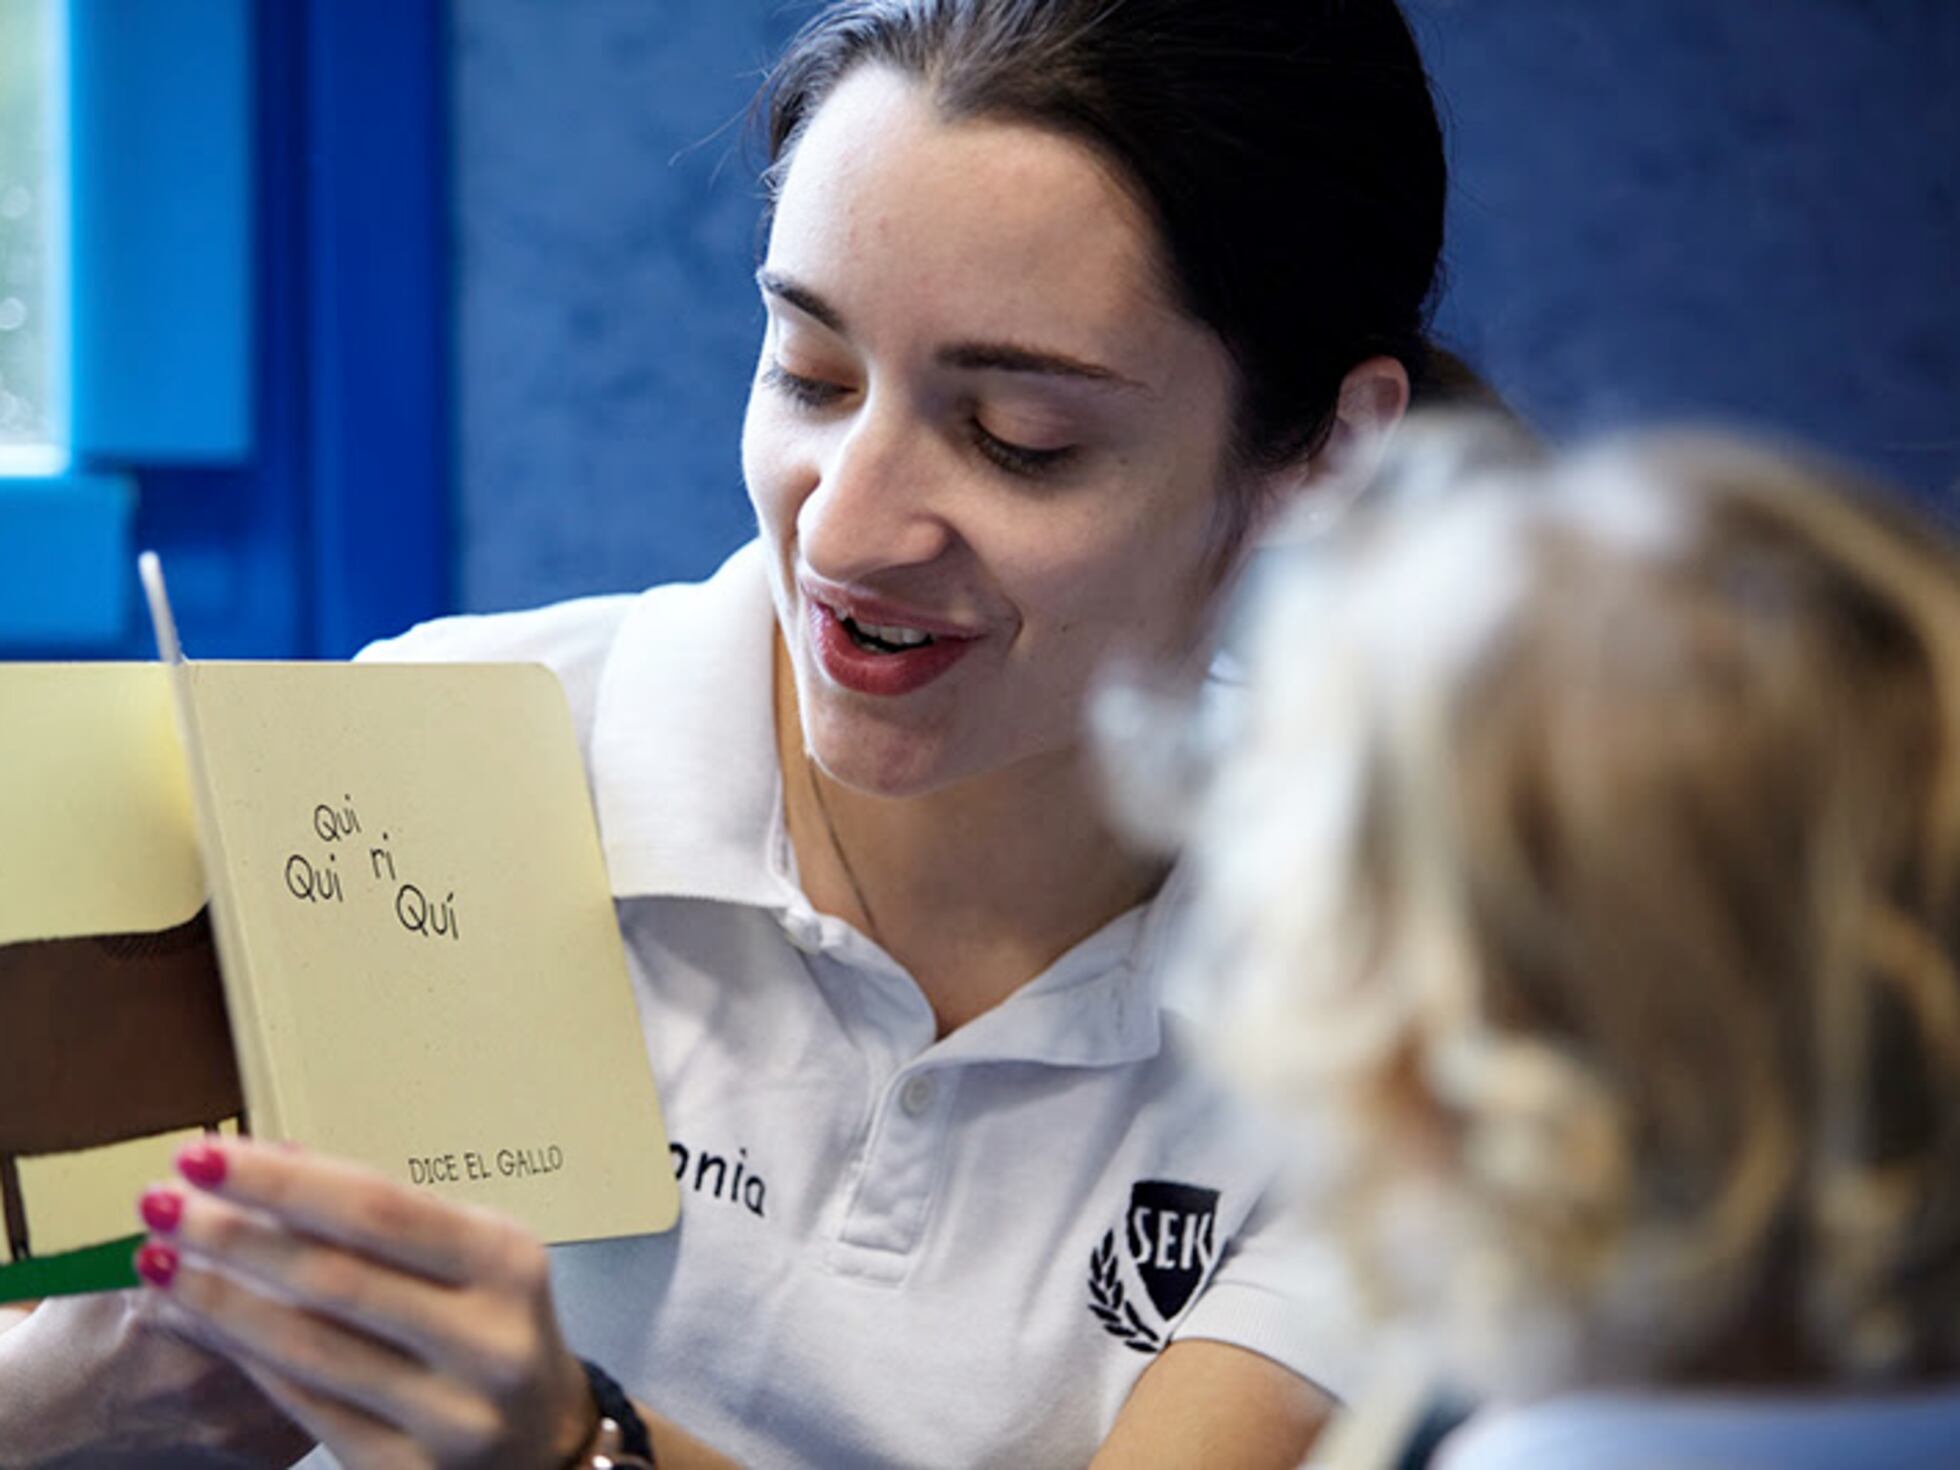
[(162, 1209), (202, 1164), (156, 1263)]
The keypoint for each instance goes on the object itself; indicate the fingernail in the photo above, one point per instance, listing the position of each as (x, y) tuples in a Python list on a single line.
[(202, 1164), (161, 1209), (156, 1263)]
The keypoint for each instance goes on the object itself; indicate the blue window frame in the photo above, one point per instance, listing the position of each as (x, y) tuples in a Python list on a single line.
[(258, 358)]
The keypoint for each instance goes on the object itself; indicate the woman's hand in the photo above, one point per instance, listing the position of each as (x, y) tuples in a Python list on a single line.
[(400, 1329), (97, 1381)]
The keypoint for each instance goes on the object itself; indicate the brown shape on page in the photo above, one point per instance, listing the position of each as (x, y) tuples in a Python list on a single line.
[(107, 1038)]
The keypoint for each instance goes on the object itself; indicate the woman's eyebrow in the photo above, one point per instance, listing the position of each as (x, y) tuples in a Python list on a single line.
[(802, 298), (1006, 357)]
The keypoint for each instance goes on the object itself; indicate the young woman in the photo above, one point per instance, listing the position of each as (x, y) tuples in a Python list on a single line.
[(1590, 862), (1062, 298)]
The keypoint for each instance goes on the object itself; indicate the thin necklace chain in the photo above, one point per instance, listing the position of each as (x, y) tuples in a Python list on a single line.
[(843, 858)]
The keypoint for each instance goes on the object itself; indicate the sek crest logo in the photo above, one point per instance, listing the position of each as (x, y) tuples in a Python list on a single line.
[(1169, 1243)]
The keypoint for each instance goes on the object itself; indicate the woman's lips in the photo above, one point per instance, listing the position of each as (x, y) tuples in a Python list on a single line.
[(870, 671)]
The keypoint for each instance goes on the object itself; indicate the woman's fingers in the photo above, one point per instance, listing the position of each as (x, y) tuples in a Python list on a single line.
[(327, 1357), (354, 1206), (424, 1318)]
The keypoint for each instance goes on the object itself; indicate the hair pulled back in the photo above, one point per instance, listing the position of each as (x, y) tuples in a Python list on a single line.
[(1288, 151)]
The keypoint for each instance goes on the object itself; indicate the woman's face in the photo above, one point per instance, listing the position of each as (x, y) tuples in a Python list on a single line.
[(983, 446)]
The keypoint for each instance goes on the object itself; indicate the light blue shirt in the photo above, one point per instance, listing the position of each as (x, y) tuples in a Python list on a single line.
[(1659, 1431)]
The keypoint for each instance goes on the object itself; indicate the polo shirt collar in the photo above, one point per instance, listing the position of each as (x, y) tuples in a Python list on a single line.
[(1098, 1005), (684, 771)]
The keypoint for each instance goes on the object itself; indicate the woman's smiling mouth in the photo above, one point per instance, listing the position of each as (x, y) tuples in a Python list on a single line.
[(877, 648), (884, 638)]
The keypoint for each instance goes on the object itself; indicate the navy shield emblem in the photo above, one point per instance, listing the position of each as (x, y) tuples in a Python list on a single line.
[(1171, 1234)]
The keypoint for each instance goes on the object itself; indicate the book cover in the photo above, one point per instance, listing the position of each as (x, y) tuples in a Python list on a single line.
[(422, 970)]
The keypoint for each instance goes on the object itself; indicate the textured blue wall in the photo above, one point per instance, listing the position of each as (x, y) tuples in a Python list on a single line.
[(1712, 208), (607, 315), (1700, 207)]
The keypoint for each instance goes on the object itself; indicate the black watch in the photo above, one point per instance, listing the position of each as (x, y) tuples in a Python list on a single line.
[(621, 1439)]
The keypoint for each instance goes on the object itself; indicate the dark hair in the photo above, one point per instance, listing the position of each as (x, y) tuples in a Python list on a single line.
[(1288, 151)]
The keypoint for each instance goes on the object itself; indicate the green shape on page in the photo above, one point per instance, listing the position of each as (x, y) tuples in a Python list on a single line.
[(106, 1267)]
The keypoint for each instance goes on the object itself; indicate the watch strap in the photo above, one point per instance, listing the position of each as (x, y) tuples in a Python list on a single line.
[(613, 1404)]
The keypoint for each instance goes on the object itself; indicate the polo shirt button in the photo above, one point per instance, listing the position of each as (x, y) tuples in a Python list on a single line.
[(917, 1094)]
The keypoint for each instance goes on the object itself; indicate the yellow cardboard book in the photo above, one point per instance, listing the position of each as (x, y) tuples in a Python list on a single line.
[(394, 941)]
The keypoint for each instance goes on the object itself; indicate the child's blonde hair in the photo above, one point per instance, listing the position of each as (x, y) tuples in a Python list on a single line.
[(1587, 862)]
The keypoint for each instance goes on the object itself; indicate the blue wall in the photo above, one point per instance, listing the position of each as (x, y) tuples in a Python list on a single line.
[(1706, 207), (607, 315), (1712, 208)]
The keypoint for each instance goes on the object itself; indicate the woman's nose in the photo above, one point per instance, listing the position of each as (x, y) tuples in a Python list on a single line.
[(874, 505)]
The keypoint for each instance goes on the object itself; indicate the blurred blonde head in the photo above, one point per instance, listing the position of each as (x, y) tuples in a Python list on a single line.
[(1584, 870)]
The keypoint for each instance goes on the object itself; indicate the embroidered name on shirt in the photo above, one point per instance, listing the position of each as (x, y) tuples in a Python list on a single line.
[(1170, 1244), (713, 1175)]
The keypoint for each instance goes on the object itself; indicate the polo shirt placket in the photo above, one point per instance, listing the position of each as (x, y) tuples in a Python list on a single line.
[(885, 1206)]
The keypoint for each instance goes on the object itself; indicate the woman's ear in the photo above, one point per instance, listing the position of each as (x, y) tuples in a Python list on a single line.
[(1317, 486), (1373, 397)]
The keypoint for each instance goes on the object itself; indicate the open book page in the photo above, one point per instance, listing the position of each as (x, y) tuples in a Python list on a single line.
[(94, 803), (114, 1046), (414, 875)]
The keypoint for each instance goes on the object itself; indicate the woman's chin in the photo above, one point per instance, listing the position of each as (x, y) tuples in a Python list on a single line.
[(908, 750), (880, 763)]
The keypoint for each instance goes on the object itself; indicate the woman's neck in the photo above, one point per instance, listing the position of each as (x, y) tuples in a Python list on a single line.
[(975, 888)]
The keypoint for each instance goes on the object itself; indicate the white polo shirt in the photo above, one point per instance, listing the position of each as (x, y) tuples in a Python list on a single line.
[(892, 1250)]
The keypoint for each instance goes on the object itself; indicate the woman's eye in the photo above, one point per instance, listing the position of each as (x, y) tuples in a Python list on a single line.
[(1018, 459), (806, 392)]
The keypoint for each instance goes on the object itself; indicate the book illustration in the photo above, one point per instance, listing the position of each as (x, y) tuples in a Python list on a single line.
[(407, 953), (103, 1040)]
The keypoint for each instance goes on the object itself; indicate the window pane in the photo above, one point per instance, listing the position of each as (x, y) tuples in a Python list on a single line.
[(29, 411)]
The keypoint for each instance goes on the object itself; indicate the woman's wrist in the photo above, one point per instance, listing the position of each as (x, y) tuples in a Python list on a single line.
[(617, 1436)]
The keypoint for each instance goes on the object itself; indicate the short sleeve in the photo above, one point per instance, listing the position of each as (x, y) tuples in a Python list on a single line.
[(1287, 1292)]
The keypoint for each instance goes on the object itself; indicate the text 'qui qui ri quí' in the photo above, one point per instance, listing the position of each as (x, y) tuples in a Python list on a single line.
[(318, 878)]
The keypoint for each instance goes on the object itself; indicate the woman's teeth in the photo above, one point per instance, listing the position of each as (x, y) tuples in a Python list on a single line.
[(885, 638)]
